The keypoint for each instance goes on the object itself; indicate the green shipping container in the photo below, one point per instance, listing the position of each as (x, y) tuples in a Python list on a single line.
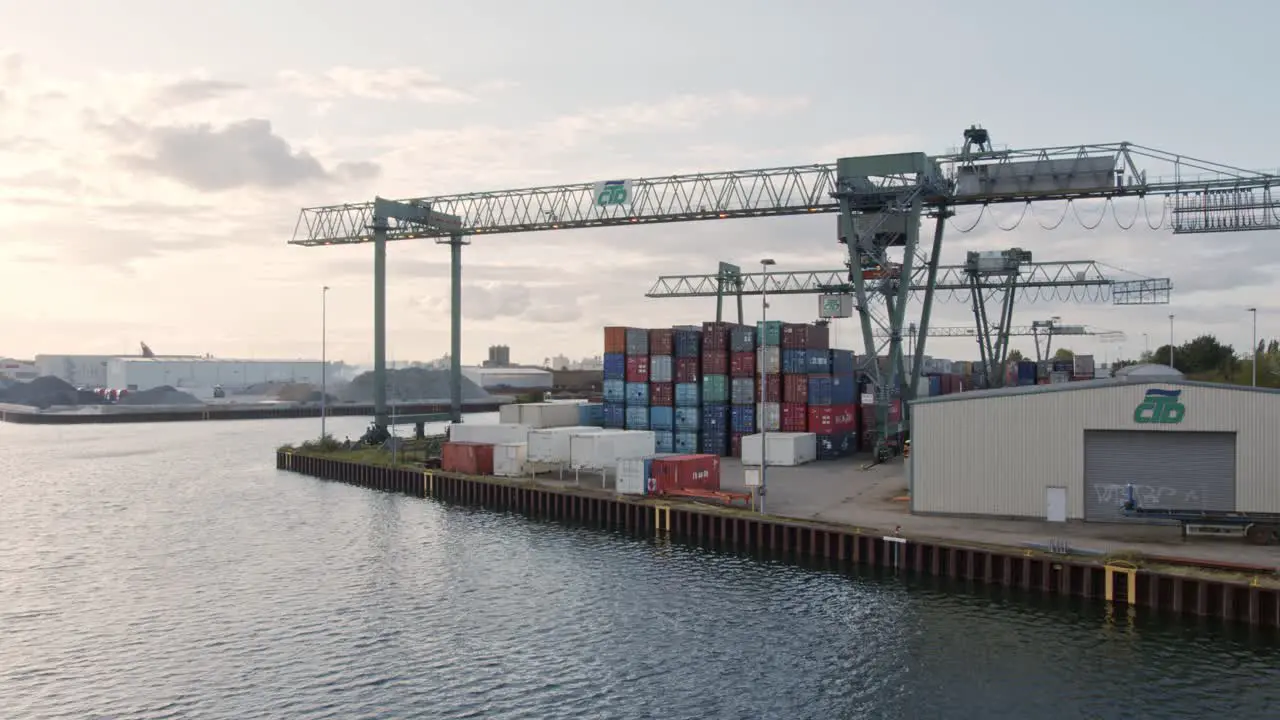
[(769, 333), (715, 389)]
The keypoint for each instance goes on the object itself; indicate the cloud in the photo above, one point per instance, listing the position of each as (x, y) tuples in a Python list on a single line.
[(389, 84), (494, 301), (195, 90), (244, 154)]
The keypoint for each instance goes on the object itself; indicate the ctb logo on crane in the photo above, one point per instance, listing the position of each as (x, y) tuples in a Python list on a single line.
[(1160, 407), (612, 192)]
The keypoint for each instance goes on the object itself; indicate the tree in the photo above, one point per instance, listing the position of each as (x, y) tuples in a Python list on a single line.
[(1015, 355), (1064, 354)]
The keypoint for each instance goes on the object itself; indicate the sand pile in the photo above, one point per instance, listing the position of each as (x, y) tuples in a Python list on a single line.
[(162, 395), (411, 385)]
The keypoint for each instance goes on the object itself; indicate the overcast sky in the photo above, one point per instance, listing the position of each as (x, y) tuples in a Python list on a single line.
[(154, 156)]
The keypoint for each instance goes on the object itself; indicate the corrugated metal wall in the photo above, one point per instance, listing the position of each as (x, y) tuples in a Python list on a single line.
[(996, 455), (1186, 471)]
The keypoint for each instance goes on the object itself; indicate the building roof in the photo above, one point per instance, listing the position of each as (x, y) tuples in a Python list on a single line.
[(507, 370), (1090, 385), (1148, 370), (203, 359)]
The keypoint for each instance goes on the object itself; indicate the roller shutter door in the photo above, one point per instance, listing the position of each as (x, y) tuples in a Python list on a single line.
[(1193, 470)]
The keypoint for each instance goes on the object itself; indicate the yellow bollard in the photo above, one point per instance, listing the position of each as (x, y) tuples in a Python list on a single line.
[(662, 518), (1130, 571)]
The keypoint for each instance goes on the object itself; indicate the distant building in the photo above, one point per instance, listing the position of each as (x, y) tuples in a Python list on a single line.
[(19, 370), (520, 378), (499, 357)]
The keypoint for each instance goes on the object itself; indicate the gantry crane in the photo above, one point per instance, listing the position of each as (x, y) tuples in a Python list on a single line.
[(880, 202), (985, 279)]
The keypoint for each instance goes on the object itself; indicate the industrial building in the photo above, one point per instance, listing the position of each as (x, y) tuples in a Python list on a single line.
[(1067, 451), (521, 378), (200, 374)]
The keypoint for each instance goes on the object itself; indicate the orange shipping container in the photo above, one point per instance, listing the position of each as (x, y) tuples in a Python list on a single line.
[(467, 458), (615, 340)]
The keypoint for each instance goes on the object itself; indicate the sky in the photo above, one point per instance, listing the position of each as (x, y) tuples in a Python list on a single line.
[(154, 157)]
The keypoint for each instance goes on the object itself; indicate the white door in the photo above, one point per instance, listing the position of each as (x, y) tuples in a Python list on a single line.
[(1055, 503)]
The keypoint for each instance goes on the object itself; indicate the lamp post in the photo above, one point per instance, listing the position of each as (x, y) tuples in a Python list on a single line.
[(765, 264), (324, 359), (1171, 342), (1254, 312)]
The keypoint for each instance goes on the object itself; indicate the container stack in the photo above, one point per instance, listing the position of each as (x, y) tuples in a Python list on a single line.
[(688, 397), (769, 361), (662, 389), (743, 386), (832, 398), (615, 377), (714, 421), (637, 400)]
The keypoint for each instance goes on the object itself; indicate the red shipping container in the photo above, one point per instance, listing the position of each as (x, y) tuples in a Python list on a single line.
[(638, 369), (686, 472), (662, 394), (773, 388), (615, 340), (715, 336), (795, 417), (845, 418), (687, 369), (735, 445), (895, 410), (795, 389), (794, 336), (715, 362), (467, 458), (817, 337), (742, 365), (662, 342), (822, 419)]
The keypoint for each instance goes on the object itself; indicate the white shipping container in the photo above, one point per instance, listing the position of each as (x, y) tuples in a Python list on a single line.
[(631, 478), (551, 445), (785, 449), (769, 416), (540, 415), (770, 358), (489, 434), (508, 459), (945, 367), (603, 450)]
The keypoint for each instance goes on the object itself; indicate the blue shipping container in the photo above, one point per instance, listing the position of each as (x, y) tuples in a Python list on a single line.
[(591, 414), (664, 441), (688, 395), (742, 419), (615, 366), (742, 391), (615, 391), (844, 391), (795, 362), (818, 362), (715, 418), (742, 338), (638, 394), (637, 418), (831, 447), (686, 443), (637, 342), (687, 419), (661, 418), (820, 389), (935, 386), (842, 362), (1026, 372), (615, 415), (714, 443), (688, 343), (661, 368)]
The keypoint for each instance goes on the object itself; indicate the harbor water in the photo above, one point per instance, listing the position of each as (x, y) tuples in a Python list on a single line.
[(169, 571)]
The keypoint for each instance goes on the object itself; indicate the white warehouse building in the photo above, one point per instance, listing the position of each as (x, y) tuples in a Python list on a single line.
[(1068, 451), (201, 374), (523, 378)]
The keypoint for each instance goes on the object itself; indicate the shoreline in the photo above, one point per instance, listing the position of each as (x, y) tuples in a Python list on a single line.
[(22, 415), (1123, 575)]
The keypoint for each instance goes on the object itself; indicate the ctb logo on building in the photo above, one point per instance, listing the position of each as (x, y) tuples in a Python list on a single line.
[(1160, 407)]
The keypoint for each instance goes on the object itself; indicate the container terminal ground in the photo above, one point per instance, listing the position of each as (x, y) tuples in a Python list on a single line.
[(838, 512)]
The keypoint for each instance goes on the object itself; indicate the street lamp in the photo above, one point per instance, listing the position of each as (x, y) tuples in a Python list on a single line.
[(1254, 312), (1171, 342), (765, 264), (324, 359)]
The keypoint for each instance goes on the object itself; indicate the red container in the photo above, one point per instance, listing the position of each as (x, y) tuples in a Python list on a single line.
[(715, 362), (638, 369), (795, 389), (794, 336), (895, 410), (615, 340), (817, 337), (735, 445), (773, 388), (845, 418), (467, 458), (795, 417), (715, 336), (662, 394), (686, 472), (833, 419), (742, 365), (687, 370), (661, 342)]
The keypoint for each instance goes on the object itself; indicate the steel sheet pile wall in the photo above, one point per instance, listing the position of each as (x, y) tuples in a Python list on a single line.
[(698, 388)]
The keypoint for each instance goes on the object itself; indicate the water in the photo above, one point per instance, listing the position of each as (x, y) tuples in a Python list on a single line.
[(169, 571)]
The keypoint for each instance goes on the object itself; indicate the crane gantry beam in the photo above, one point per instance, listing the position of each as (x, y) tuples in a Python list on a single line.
[(881, 201)]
